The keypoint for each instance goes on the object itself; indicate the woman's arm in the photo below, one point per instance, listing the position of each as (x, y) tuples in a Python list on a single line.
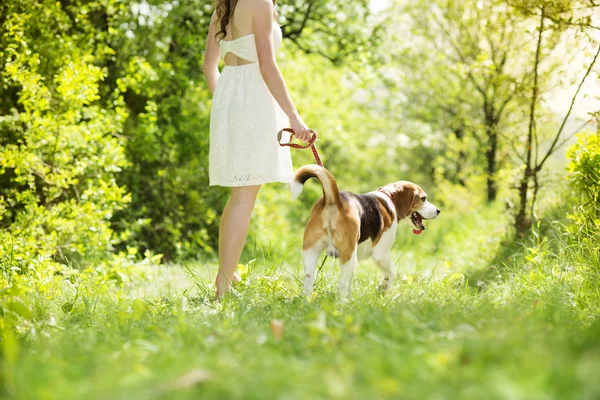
[(263, 35), (211, 56)]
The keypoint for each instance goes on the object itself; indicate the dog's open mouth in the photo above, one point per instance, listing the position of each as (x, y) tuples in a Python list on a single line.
[(417, 221)]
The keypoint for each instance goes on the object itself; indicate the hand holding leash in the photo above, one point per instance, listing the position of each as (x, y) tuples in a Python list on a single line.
[(301, 130), (310, 143)]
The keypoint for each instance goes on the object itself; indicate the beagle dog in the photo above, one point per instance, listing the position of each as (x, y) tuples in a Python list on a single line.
[(355, 226)]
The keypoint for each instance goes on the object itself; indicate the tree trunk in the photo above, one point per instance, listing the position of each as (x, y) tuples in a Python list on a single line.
[(462, 156), (521, 222), (492, 189)]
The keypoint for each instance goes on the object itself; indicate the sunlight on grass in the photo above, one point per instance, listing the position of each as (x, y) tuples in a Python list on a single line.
[(161, 335)]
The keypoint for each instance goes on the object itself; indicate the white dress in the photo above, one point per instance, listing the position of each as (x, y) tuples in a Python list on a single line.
[(244, 122)]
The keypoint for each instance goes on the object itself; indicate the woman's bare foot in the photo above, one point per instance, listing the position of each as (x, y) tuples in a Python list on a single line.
[(223, 286)]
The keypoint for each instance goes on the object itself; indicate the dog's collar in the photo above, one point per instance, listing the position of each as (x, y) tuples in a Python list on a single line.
[(390, 196), (387, 193)]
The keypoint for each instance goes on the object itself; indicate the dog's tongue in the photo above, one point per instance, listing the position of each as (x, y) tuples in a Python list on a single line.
[(417, 232)]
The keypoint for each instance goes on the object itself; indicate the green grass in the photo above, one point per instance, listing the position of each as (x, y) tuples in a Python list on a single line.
[(465, 320)]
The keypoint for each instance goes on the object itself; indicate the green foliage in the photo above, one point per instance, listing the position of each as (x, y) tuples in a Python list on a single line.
[(461, 84), (157, 69), (469, 83), (60, 148), (440, 332), (584, 173), (340, 31)]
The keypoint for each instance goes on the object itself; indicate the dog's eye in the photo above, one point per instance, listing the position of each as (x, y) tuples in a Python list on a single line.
[(424, 198)]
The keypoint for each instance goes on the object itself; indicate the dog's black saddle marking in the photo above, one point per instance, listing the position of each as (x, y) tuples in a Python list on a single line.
[(370, 218)]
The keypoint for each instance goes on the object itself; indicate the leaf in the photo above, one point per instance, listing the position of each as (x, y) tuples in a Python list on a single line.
[(10, 345), (19, 308), (242, 270), (67, 307), (139, 308)]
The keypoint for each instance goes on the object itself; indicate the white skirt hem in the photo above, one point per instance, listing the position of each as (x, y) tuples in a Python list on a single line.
[(254, 183)]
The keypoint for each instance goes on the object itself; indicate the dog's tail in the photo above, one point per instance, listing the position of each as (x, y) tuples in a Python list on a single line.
[(330, 189)]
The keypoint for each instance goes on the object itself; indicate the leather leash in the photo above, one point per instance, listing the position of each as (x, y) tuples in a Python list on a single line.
[(311, 143)]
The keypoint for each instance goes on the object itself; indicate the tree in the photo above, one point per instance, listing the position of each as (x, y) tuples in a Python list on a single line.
[(339, 31), (460, 72), (555, 18)]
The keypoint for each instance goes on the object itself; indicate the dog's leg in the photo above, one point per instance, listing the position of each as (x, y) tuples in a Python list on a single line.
[(345, 284), (384, 262), (381, 256), (311, 256)]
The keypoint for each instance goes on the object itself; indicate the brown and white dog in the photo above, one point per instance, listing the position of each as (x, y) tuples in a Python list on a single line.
[(355, 226)]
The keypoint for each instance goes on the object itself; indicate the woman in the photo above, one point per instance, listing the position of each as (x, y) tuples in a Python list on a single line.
[(250, 105)]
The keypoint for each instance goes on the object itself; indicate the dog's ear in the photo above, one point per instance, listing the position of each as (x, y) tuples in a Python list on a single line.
[(405, 195)]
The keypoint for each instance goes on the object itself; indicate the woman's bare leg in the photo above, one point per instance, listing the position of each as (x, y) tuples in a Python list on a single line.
[(233, 230)]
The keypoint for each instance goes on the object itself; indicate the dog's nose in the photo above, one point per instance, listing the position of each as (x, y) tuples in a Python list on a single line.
[(438, 211)]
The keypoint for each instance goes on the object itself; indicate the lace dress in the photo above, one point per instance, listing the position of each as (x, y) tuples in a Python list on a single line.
[(244, 122)]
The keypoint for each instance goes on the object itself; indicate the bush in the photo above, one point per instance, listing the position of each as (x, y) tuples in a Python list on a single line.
[(584, 173), (60, 148)]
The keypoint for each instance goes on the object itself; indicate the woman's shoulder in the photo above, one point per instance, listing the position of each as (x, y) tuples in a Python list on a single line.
[(256, 6), (246, 11)]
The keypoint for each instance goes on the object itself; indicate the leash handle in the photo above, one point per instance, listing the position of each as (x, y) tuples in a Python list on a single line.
[(311, 143)]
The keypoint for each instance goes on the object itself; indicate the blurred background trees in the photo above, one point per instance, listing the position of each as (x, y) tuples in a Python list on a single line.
[(463, 79), (104, 115), (482, 73)]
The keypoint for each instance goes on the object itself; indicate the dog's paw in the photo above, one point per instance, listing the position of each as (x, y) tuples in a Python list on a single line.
[(384, 286)]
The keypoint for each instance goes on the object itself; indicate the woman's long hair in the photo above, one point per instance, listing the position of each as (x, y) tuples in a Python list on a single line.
[(224, 9)]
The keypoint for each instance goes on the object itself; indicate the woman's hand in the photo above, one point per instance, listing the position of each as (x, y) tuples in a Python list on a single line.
[(300, 129)]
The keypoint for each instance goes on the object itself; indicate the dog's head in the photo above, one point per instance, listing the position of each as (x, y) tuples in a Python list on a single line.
[(411, 204)]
